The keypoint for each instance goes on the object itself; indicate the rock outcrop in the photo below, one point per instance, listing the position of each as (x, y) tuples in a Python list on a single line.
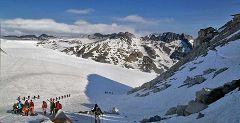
[(60, 117), (203, 98), (205, 35)]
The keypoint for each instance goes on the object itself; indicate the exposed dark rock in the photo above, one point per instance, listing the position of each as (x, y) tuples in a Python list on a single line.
[(134, 56), (193, 81), (205, 35), (45, 37), (200, 115), (177, 55), (202, 95), (219, 71), (181, 110), (161, 88), (195, 106), (167, 37), (192, 68), (203, 98), (172, 111), (148, 65), (219, 92), (152, 119), (87, 55), (150, 51), (208, 71)]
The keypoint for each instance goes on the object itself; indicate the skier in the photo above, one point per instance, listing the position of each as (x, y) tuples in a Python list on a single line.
[(26, 108), (52, 107), (44, 107), (15, 108), (58, 106), (31, 107), (18, 98), (19, 105), (97, 112)]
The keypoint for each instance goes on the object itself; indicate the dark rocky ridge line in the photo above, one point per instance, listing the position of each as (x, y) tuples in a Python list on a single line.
[(28, 37)]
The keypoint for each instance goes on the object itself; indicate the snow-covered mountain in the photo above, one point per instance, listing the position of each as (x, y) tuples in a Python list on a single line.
[(202, 87), (152, 53)]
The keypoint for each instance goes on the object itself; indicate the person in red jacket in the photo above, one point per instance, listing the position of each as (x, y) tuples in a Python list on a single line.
[(44, 107), (58, 106), (31, 107)]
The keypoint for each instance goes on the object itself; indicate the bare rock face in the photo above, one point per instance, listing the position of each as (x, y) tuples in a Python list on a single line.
[(171, 111), (195, 106), (181, 110), (202, 95), (205, 35), (60, 117)]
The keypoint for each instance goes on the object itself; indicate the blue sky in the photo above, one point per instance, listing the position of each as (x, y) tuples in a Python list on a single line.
[(106, 16)]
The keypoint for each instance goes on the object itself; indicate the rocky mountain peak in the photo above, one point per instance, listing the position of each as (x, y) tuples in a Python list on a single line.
[(205, 35), (167, 37), (45, 37)]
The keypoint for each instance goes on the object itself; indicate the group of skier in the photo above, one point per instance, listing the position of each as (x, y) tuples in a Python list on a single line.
[(61, 97), (54, 106), (28, 97), (26, 108)]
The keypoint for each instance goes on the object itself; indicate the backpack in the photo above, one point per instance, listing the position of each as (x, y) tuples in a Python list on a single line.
[(44, 105), (31, 104), (60, 106)]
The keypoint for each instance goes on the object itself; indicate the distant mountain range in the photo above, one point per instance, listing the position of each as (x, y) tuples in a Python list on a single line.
[(28, 37), (151, 53)]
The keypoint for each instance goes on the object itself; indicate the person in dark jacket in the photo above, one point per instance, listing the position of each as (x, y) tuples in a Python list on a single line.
[(97, 112), (52, 107)]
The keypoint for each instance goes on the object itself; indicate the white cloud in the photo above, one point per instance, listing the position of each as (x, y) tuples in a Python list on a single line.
[(137, 19), (80, 11), (38, 26)]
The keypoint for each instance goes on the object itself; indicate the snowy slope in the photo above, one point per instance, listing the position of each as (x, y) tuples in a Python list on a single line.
[(30, 70), (159, 103)]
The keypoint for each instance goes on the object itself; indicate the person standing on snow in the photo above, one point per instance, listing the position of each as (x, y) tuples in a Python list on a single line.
[(31, 107), (19, 98), (26, 108), (58, 106), (97, 112), (52, 107), (19, 105), (44, 107)]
